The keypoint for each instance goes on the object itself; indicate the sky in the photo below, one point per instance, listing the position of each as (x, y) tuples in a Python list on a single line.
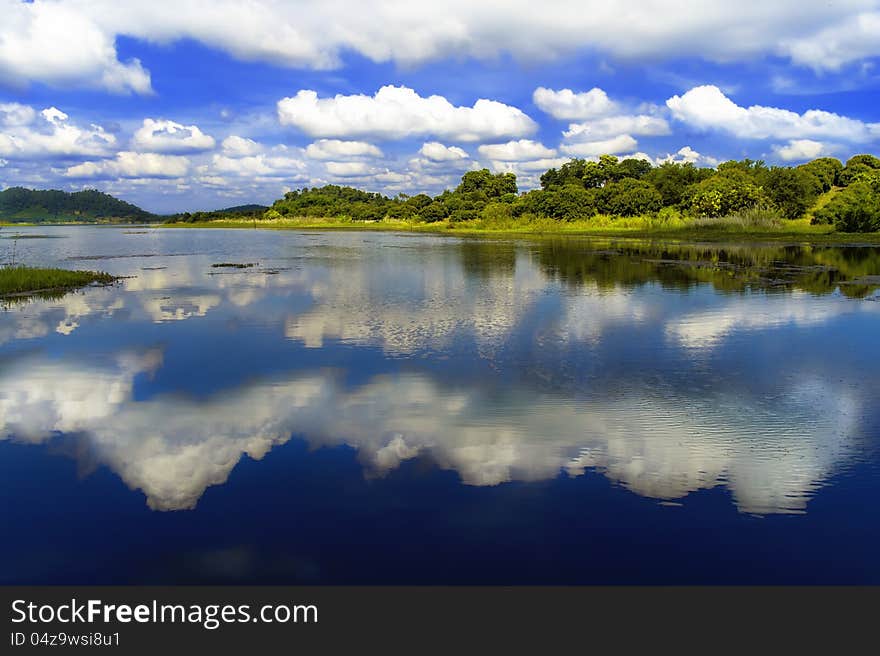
[(196, 105)]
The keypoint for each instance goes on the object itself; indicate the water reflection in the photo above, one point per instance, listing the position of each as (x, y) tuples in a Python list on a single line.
[(771, 455), (666, 368)]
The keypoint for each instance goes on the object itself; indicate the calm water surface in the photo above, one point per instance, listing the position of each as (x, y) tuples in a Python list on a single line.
[(390, 408)]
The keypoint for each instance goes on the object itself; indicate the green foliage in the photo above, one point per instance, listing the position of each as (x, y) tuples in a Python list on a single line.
[(857, 168), (566, 203), (792, 191), (607, 194), (485, 183), (826, 170), (855, 209), (672, 180), (729, 191), (18, 203), (631, 168), (629, 197)]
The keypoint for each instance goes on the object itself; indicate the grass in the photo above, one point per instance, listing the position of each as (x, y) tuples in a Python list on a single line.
[(745, 226), (21, 280)]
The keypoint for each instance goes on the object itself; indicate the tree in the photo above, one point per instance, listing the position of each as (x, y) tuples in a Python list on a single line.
[(730, 190), (793, 191), (572, 172), (672, 180), (826, 170), (565, 203), (493, 186), (629, 197), (855, 209), (857, 167), (632, 168)]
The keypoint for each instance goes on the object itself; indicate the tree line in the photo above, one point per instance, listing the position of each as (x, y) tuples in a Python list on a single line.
[(580, 189)]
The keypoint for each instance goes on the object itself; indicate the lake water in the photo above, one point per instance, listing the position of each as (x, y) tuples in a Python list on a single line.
[(404, 408)]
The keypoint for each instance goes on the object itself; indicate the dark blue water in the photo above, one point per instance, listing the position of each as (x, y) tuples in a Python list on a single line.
[(381, 408)]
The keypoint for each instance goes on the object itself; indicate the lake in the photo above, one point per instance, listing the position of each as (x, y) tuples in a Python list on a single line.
[(365, 407)]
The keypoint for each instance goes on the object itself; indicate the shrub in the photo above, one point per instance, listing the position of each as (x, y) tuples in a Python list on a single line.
[(855, 209)]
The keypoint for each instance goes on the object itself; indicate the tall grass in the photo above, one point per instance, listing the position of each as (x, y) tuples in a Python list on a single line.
[(21, 279)]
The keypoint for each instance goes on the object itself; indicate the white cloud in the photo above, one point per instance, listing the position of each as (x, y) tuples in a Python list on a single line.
[(235, 146), (274, 164), (706, 107), (15, 114), (334, 148), (399, 112), (799, 150), (568, 105), (685, 155), (640, 125), (162, 136), (61, 44), (516, 151), (349, 169), (24, 133), (437, 152), (132, 165), (621, 144), (73, 42), (851, 38)]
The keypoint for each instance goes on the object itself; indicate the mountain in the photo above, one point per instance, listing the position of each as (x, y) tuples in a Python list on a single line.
[(18, 204)]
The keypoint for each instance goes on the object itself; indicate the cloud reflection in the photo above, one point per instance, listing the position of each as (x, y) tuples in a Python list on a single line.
[(772, 456)]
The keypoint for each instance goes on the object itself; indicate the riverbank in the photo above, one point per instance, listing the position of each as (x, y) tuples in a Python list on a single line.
[(799, 230), (29, 281)]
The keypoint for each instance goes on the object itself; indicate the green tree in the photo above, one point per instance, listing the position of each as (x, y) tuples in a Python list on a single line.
[(855, 209), (730, 190), (629, 197), (826, 170), (793, 191), (857, 167)]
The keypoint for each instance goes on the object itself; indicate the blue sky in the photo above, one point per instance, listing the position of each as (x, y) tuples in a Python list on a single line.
[(175, 107)]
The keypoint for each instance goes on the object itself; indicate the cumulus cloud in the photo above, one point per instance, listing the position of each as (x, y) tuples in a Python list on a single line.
[(799, 150), (235, 146), (162, 136), (640, 125), (62, 44), (400, 112), (616, 145), (685, 155), (277, 162), (349, 169), (25, 133), (334, 148), (568, 105), (15, 114), (516, 151), (706, 107), (73, 42), (437, 152), (129, 164)]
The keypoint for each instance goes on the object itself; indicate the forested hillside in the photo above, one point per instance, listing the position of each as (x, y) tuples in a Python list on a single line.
[(18, 204)]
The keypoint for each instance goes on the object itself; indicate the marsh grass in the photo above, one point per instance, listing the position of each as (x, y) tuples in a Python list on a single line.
[(22, 280), (668, 223)]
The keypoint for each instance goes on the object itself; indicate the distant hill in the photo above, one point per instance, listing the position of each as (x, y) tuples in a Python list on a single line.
[(239, 211), (18, 204), (243, 209)]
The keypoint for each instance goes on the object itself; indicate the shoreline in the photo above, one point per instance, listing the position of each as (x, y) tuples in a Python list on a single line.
[(691, 235)]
